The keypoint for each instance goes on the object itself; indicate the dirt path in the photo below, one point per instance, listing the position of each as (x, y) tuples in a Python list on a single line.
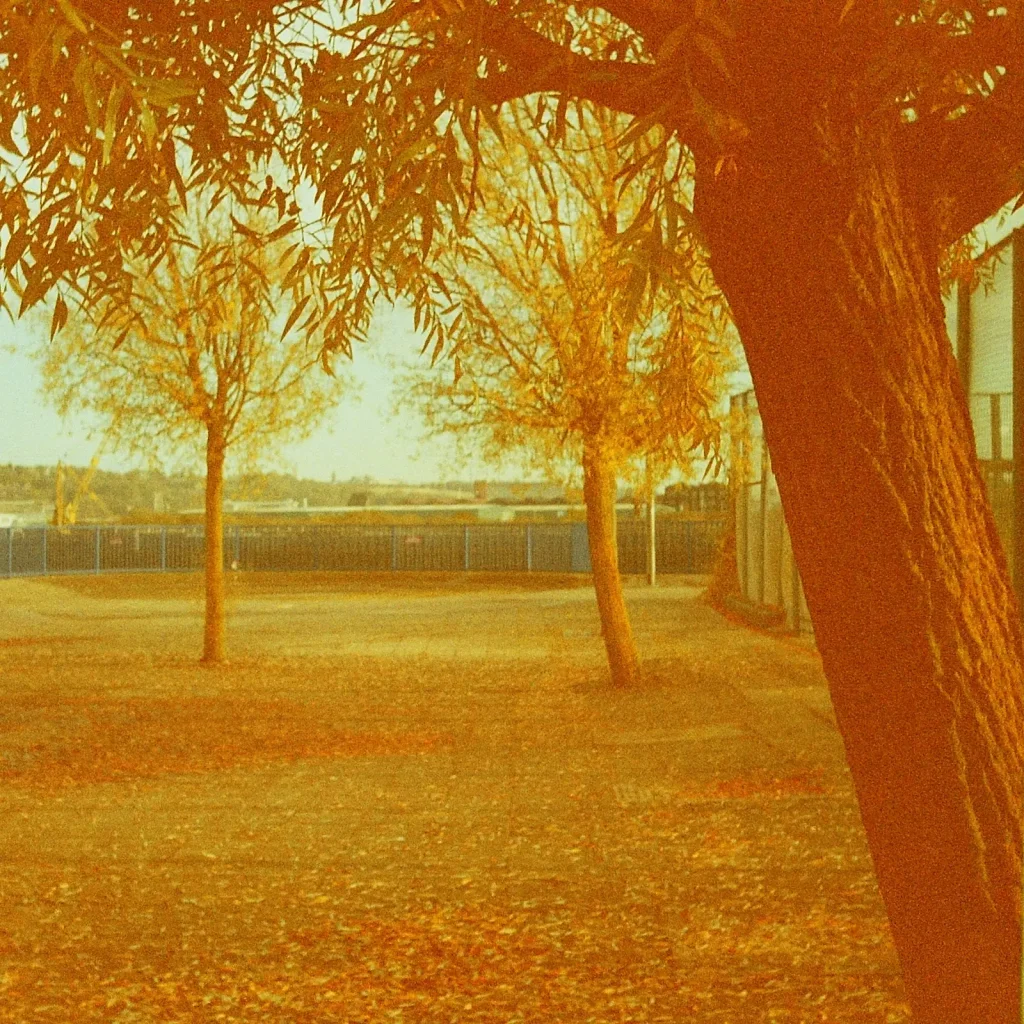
[(421, 806)]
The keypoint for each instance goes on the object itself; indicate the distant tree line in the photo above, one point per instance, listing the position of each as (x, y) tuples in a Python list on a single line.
[(139, 490), (146, 494)]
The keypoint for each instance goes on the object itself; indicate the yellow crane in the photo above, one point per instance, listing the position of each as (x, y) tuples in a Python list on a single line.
[(65, 512)]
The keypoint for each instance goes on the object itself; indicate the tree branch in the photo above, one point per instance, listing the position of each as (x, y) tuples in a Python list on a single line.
[(975, 162), (652, 20), (536, 64)]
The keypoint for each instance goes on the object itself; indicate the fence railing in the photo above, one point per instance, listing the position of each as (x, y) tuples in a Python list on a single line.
[(764, 552), (682, 546)]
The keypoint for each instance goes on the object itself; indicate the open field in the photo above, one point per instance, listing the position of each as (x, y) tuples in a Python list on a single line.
[(416, 799)]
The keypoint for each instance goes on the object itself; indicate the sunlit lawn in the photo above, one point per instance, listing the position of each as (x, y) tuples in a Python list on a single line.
[(404, 803)]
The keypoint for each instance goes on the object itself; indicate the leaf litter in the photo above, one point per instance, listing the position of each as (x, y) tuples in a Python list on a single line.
[(373, 840)]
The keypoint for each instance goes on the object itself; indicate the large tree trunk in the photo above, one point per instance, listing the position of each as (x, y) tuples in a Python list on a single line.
[(213, 629), (823, 252), (599, 495)]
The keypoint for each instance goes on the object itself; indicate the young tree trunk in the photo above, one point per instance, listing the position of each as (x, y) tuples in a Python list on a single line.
[(599, 495), (213, 630), (824, 256)]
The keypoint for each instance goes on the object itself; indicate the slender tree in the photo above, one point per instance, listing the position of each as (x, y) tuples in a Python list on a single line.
[(197, 356), (839, 146), (560, 353)]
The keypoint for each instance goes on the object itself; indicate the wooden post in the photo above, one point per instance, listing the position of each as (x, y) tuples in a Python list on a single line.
[(394, 548), (163, 549), (964, 336), (10, 550), (44, 550), (652, 554), (465, 546), (765, 468), (743, 494), (794, 587), (529, 548), (96, 544), (1017, 334)]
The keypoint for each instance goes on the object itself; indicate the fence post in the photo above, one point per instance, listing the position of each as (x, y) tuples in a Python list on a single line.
[(740, 512), (163, 549), (44, 550), (96, 542), (763, 524), (465, 545), (10, 550), (529, 548), (236, 547), (652, 546), (795, 588), (394, 548)]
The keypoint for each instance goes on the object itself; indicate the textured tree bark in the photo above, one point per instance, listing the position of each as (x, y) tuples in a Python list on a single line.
[(213, 629), (820, 245), (599, 495)]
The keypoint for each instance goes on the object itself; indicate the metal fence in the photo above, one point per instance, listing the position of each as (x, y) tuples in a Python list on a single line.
[(682, 546), (998, 477), (764, 551)]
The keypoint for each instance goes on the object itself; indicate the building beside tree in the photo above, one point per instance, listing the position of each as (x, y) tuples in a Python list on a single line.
[(985, 323)]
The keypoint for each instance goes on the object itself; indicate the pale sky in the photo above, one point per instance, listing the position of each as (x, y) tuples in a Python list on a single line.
[(360, 438)]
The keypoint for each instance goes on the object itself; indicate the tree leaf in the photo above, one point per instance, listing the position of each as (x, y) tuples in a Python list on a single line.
[(295, 313), (16, 246), (244, 229), (60, 316), (73, 17), (148, 124), (168, 152), (712, 51), (281, 230)]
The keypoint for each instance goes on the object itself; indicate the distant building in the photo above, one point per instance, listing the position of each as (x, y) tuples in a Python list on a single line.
[(986, 328), (519, 492), (985, 324), (287, 505)]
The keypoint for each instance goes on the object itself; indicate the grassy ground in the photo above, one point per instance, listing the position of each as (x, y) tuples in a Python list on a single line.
[(413, 799)]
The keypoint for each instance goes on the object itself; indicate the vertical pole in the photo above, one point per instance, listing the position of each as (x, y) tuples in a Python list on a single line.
[(236, 547), (529, 548), (742, 513), (782, 552), (465, 545), (652, 554), (795, 582), (163, 549), (44, 550), (764, 514), (1017, 333), (394, 548), (96, 543), (996, 427), (964, 336), (10, 550)]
